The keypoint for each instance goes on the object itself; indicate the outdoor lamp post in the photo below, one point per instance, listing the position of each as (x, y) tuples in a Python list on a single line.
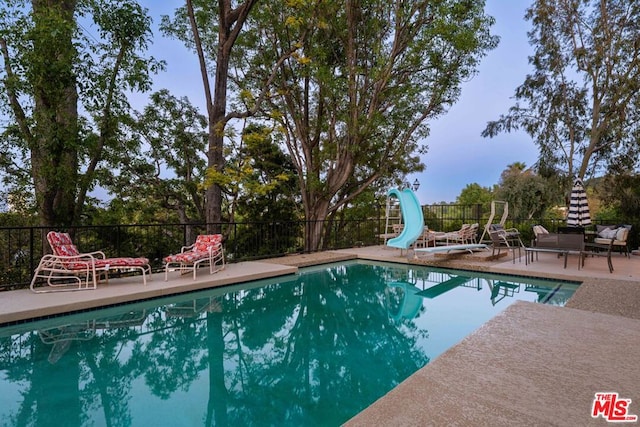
[(416, 185)]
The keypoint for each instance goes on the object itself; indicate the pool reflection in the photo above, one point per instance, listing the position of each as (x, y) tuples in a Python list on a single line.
[(315, 348)]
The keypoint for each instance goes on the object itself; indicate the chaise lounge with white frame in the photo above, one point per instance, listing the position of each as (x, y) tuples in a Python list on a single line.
[(68, 269), (207, 250)]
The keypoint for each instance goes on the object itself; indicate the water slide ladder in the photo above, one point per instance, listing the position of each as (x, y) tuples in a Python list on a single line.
[(393, 217)]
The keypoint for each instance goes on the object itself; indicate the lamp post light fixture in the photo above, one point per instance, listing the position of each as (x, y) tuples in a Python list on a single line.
[(416, 185)]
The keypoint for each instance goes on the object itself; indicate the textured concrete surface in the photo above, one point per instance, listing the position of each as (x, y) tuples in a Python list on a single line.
[(531, 365), (617, 297), (24, 304), (306, 260)]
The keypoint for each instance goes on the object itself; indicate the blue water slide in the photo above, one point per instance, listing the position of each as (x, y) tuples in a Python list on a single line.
[(411, 216)]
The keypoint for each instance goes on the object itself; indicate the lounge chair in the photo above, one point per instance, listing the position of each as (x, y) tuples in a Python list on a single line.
[(67, 263), (472, 234), (466, 235), (207, 249), (456, 237), (428, 238)]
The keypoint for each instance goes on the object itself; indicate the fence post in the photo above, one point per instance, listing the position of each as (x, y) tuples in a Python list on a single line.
[(32, 265)]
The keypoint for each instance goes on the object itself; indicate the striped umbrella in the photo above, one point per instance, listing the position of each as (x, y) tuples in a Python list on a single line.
[(579, 206)]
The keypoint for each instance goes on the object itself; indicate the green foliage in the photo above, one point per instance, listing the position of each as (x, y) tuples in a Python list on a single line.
[(52, 69), (473, 194), (264, 190), (621, 196), (256, 166), (354, 98), (581, 102), (529, 194), (165, 164)]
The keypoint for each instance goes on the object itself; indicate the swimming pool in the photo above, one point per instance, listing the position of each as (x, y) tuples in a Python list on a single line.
[(311, 349)]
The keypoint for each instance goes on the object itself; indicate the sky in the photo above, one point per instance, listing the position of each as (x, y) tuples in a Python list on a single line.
[(457, 154)]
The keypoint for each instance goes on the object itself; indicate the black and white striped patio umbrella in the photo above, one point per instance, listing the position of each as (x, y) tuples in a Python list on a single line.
[(578, 206)]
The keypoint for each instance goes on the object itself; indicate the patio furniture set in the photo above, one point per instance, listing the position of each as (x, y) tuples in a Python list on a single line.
[(569, 240), (602, 242), (68, 269)]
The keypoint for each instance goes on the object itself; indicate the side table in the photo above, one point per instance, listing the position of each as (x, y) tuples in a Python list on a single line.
[(598, 249)]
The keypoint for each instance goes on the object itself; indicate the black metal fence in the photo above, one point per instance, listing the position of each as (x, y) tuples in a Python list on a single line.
[(22, 247)]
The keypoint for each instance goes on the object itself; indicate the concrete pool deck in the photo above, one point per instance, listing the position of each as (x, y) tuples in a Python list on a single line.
[(531, 365)]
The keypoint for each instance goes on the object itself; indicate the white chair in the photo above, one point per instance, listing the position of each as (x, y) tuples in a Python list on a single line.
[(67, 269), (207, 250)]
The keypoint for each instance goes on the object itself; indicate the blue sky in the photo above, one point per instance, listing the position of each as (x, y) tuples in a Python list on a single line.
[(457, 154)]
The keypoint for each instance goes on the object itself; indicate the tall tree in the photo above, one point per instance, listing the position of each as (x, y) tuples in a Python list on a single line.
[(212, 29), (581, 102), (51, 67), (168, 169), (50, 131), (528, 193), (473, 194), (354, 101)]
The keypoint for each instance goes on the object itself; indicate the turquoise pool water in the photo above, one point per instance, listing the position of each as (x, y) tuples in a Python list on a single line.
[(312, 349)]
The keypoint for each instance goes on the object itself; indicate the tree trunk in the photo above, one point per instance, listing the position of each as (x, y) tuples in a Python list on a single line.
[(54, 159), (316, 217), (230, 22), (216, 134)]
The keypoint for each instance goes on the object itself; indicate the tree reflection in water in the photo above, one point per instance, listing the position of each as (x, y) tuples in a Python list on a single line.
[(310, 349)]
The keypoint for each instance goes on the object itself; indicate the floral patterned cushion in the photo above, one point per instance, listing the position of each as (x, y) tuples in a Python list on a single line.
[(125, 262), (206, 241), (200, 249), (84, 264), (62, 246)]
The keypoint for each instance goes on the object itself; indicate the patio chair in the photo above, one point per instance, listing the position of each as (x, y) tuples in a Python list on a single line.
[(67, 263), (509, 233), (501, 239), (467, 235), (472, 234), (617, 236), (207, 249), (456, 237)]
